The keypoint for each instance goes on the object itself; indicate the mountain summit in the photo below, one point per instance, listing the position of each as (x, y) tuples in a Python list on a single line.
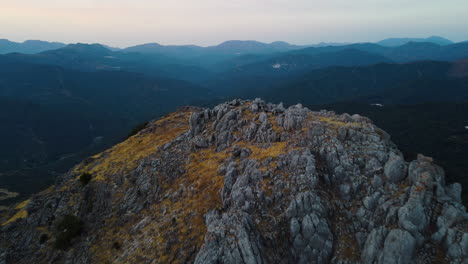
[(245, 182)]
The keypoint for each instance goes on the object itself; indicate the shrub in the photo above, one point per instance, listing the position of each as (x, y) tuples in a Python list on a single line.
[(116, 245), (67, 228), (43, 238), (85, 178), (137, 129)]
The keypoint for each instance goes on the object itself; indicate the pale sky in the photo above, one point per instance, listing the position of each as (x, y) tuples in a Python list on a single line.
[(208, 22)]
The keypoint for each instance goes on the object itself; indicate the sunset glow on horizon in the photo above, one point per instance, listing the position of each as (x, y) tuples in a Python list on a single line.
[(208, 22)]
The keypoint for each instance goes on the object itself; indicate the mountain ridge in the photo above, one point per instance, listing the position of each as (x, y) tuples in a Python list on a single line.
[(245, 182), (28, 46), (392, 42)]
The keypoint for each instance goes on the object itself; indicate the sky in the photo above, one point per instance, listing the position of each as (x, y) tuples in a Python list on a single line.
[(124, 23)]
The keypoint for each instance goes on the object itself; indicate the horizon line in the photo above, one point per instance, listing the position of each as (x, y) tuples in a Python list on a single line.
[(222, 42)]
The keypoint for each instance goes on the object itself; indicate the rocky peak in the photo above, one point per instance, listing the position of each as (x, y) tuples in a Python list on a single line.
[(245, 182)]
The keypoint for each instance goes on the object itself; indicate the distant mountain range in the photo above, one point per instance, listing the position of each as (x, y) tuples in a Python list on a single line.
[(95, 94), (192, 63), (394, 42), (238, 47), (28, 47), (228, 47)]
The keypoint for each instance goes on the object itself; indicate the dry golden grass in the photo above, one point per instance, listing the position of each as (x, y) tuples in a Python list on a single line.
[(48, 190), (201, 187), (22, 204), (125, 156), (178, 225), (22, 213), (263, 151), (337, 123), (249, 115), (274, 124)]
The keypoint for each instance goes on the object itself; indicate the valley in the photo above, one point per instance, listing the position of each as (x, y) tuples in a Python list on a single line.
[(63, 105)]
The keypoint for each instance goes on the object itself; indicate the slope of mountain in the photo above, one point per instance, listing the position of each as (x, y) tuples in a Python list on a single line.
[(39, 142), (251, 46), (246, 59), (381, 83), (411, 51), (413, 126), (127, 94), (459, 69), (75, 56), (300, 63), (55, 114), (256, 78), (213, 57), (394, 42), (245, 182), (233, 47), (96, 57), (28, 46)]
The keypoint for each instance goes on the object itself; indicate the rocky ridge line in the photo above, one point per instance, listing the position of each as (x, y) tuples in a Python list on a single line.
[(249, 182)]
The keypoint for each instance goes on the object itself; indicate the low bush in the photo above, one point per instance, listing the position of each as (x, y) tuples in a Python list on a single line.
[(67, 228), (43, 238), (116, 245), (85, 178)]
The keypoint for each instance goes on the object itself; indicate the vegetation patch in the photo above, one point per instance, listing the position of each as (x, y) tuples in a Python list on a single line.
[(177, 221), (274, 123), (249, 115), (125, 156), (270, 150), (67, 228), (337, 123), (43, 238), (22, 213), (85, 178)]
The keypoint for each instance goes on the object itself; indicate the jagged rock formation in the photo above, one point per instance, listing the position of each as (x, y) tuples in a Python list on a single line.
[(247, 182)]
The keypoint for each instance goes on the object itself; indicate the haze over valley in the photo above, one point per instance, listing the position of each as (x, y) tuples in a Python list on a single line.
[(102, 93)]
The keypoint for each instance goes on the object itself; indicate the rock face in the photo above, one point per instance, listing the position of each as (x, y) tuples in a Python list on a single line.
[(245, 182)]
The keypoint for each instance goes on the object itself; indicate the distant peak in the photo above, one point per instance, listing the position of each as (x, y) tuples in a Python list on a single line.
[(239, 42), (393, 42), (152, 44), (93, 48)]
